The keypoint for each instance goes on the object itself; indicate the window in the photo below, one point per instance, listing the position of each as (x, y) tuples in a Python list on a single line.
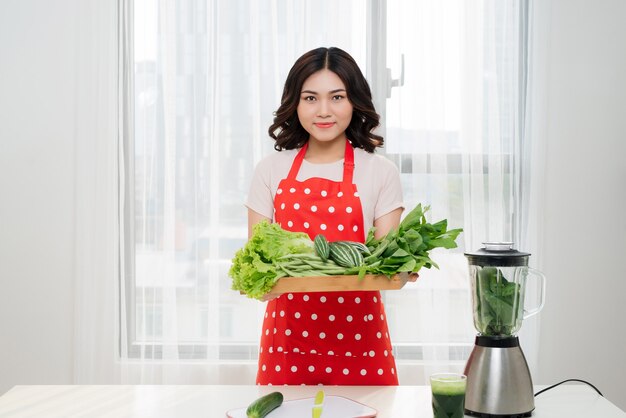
[(207, 77)]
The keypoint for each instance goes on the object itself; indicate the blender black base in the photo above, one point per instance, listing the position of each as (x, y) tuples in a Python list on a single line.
[(485, 415)]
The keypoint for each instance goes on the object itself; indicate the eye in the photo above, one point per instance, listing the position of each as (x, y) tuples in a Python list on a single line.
[(338, 97), (308, 98)]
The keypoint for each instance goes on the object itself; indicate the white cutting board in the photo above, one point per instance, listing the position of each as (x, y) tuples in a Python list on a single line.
[(334, 407)]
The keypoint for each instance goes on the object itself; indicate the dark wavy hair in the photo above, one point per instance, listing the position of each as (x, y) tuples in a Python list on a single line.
[(287, 130)]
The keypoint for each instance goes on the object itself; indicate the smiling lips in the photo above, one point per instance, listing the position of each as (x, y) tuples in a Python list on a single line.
[(324, 124)]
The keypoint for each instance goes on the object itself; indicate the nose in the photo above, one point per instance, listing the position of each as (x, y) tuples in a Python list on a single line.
[(323, 110)]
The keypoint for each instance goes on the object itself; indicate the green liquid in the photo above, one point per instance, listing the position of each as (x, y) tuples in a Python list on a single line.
[(448, 397), (448, 406)]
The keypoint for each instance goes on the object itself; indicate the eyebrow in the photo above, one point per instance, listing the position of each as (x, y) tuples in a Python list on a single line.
[(330, 92)]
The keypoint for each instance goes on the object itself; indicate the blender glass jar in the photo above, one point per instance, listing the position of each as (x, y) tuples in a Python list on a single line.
[(498, 280), (498, 301)]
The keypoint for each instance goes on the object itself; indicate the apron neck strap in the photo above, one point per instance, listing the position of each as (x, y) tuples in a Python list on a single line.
[(297, 162), (348, 163)]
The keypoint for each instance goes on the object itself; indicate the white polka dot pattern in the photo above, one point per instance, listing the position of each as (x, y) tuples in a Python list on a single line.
[(302, 202), (316, 327), (324, 338)]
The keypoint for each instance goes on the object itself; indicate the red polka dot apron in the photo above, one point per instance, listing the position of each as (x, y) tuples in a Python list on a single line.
[(333, 338)]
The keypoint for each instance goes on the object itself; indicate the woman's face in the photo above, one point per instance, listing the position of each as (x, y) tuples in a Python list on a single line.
[(324, 110)]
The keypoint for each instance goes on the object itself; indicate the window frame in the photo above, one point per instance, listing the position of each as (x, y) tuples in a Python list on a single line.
[(379, 77)]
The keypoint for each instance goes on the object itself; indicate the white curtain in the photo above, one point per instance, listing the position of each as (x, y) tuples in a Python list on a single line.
[(96, 292), (207, 77), (532, 157), (152, 261), (455, 128)]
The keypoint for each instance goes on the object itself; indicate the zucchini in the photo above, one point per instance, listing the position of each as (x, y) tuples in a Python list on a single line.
[(321, 246), (345, 254), (264, 405)]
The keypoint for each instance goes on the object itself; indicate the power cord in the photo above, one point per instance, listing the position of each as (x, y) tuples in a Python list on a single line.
[(569, 380)]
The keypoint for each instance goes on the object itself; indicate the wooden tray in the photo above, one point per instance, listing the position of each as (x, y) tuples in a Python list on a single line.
[(341, 283)]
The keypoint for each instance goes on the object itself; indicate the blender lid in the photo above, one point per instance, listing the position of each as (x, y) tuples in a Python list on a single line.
[(498, 254)]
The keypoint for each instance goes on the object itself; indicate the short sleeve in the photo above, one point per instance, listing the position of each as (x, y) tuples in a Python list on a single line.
[(260, 197), (390, 195)]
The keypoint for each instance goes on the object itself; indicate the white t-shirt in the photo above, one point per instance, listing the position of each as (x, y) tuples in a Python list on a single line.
[(377, 180)]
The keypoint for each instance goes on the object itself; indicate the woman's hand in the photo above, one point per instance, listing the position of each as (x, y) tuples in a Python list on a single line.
[(269, 296), (266, 297)]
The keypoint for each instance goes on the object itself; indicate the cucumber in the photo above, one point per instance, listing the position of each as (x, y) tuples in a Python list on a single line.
[(264, 405), (345, 254), (321, 247)]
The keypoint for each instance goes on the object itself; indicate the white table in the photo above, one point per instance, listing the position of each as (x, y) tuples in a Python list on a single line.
[(571, 401)]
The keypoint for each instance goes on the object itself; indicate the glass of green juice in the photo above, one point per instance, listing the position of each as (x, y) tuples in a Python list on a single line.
[(448, 391)]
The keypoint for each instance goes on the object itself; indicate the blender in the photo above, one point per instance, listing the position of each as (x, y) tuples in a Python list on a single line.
[(498, 379)]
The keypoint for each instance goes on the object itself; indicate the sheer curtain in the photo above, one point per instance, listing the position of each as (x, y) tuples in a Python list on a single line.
[(455, 129), (96, 269), (206, 77)]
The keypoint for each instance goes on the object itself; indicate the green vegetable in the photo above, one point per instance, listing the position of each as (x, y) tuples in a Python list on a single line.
[(345, 254), (255, 270), (497, 303), (272, 253), (407, 248), (264, 405), (362, 248), (321, 246)]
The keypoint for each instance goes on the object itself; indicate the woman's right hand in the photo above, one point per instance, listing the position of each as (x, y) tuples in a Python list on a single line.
[(270, 296)]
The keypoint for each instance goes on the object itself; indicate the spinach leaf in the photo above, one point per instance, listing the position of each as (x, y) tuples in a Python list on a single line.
[(407, 248), (496, 302)]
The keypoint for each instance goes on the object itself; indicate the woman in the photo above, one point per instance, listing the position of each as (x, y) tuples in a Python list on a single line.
[(326, 180)]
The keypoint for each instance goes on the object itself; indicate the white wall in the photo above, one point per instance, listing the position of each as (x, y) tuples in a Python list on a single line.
[(583, 325), (583, 331), (36, 191)]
